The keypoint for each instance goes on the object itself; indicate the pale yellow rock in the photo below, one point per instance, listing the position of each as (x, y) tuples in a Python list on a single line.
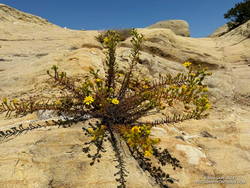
[(179, 27), (53, 157), (220, 31), (193, 154)]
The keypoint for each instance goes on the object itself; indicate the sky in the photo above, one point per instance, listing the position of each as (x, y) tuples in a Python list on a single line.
[(203, 16)]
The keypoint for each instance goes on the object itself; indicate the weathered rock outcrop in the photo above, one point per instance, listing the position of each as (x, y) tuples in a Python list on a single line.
[(220, 31), (9, 14), (179, 27), (242, 31), (215, 147)]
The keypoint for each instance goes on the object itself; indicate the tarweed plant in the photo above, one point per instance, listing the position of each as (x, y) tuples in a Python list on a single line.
[(119, 100)]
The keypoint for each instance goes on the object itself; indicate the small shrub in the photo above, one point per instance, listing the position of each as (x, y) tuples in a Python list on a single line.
[(123, 35), (119, 101), (238, 15)]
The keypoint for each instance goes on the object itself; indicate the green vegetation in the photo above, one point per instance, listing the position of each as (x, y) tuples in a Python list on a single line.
[(123, 34), (119, 101), (238, 15)]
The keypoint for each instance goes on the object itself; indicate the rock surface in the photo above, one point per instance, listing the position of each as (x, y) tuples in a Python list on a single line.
[(53, 157), (179, 27), (220, 31), (9, 14)]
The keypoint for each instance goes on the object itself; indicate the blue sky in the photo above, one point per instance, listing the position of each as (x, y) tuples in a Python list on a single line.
[(203, 16)]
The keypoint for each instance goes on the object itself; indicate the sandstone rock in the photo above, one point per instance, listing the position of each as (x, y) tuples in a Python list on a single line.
[(238, 35), (157, 131), (9, 14), (179, 27), (193, 154), (52, 157), (220, 31)]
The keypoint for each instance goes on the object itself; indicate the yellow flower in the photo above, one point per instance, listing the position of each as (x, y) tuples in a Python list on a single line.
[(135, 129), (5, 100), (148, 132), (15, 101), (208, 106), (106, 40), (98, 80), (90, 130), (205, 89), (184, 87), (145, 87), (88, 100), (115, 101), (58, 102), (205, 99), (192, 74), (147, 153), (187, 64)]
